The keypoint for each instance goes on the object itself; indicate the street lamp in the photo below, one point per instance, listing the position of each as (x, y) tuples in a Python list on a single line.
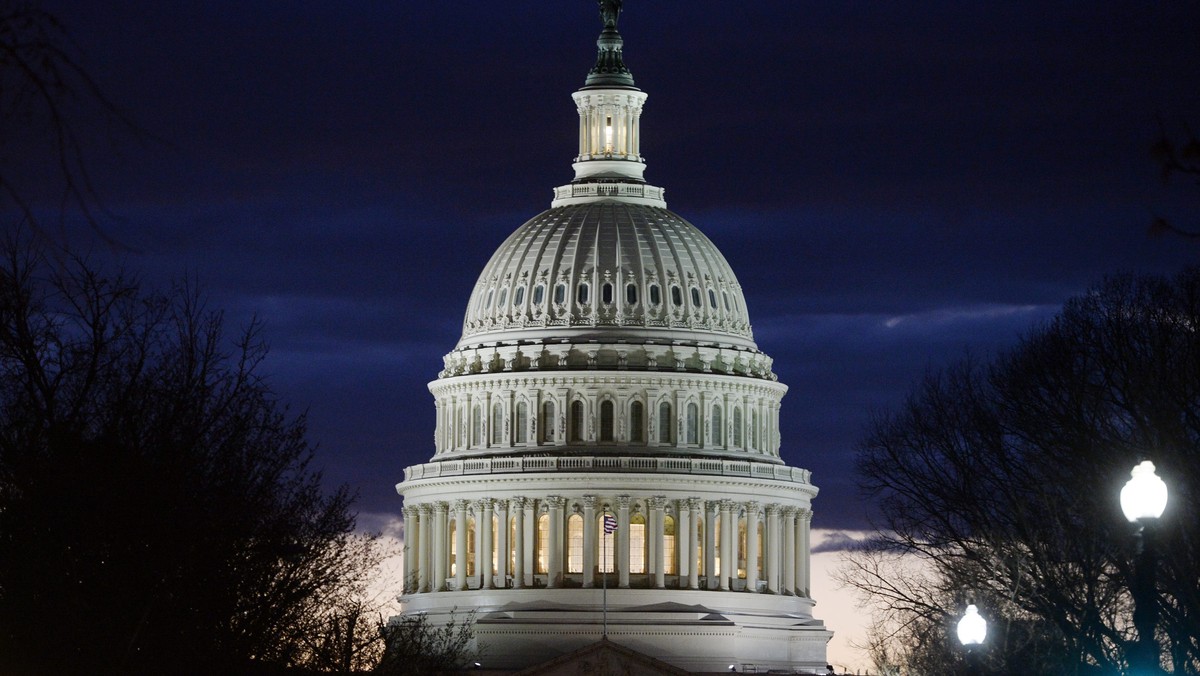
[(972, 630), (1143, 500)]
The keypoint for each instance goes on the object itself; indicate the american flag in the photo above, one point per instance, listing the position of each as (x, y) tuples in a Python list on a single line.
[(610, 524)]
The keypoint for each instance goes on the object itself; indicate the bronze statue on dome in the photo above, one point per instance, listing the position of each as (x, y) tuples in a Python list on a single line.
[(609, 11)]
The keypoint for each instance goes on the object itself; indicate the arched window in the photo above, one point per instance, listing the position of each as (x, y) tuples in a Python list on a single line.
[(560, 294), (491, 546), (637, 544), (699, 553), (696, 298), (758, 556), (631, 294), (666, 423), (737, 428), (477, 426), (488, 304), (547, 426), (575, 544), (519, 296), (725, 295), (470, 546), (539, 294), (637, 422), (497, 424), (712, 299), (606, 293), (716, 426), (676, 296), (608, 544), (693, 423), (741, 547), (581, 295), (543, 543), (606, 421), (576, 428), (754, 430), (502, 299), (655, 295), (522, 423), (668, 545), (453, 547)]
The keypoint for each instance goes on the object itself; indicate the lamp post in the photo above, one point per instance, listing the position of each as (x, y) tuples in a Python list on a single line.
[(972, 630), (1143, 500)]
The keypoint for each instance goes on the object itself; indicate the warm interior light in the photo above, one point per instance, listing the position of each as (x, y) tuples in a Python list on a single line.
[(972, 628), (1145, 495), (608, 134)]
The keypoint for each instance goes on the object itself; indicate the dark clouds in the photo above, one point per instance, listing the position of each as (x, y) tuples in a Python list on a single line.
[(893, 183)]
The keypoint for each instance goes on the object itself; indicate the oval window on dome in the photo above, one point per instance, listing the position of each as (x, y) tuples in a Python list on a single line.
[(606, 293), (560, 294), (695, 297), (519, 296), (488, 304), (503, 298), (655, 295), (725, 295), (676, 296), (631, 294), (582, 294), (712, 299), (539, 294)]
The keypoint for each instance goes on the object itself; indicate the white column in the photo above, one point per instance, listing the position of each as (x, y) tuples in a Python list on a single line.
[(684, 551), (518, 508), (728, 550), (530, 542), (656, 518), (752, 546), (412, 532), (772, 548), (589, 541), (803, 522), (441, 548), (502, 545), (622, 557), (554, 569), (483, 524), (460, 545), (710, 544), (788, 586), (476, 580), (424, 550)]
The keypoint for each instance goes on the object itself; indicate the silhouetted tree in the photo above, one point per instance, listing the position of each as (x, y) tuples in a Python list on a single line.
[(415, 646), (1000, 481), (157, 507)]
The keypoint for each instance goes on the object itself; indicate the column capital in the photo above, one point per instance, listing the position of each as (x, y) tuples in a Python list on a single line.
[(425, 508), (589, 501), (727, 505), (623, 501), (752, 506), (556, 501), (483, 503), (804, 513), (695, 504), (461, 505), (500, 505), (409, 510), (656, 502), (789, 512), (773, 509), (713, 506), (518, 502)]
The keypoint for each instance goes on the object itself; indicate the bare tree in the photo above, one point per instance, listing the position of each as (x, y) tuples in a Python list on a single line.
[(157, 505), (1002, 479)]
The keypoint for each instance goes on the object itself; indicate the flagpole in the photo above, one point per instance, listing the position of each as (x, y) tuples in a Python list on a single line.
[(604, 573)]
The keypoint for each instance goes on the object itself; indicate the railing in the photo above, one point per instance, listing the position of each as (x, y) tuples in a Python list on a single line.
[(605, 463)]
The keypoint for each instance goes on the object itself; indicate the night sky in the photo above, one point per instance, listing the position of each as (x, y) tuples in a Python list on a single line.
[(895, 184)]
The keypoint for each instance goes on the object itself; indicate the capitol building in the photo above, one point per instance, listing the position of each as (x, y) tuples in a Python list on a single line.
[(606, 467)]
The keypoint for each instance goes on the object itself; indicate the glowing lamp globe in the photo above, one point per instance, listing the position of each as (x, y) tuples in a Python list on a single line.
[(972, 628), (1145, 495)]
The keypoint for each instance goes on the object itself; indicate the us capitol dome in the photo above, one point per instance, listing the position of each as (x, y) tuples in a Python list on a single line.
[(607, 456)]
